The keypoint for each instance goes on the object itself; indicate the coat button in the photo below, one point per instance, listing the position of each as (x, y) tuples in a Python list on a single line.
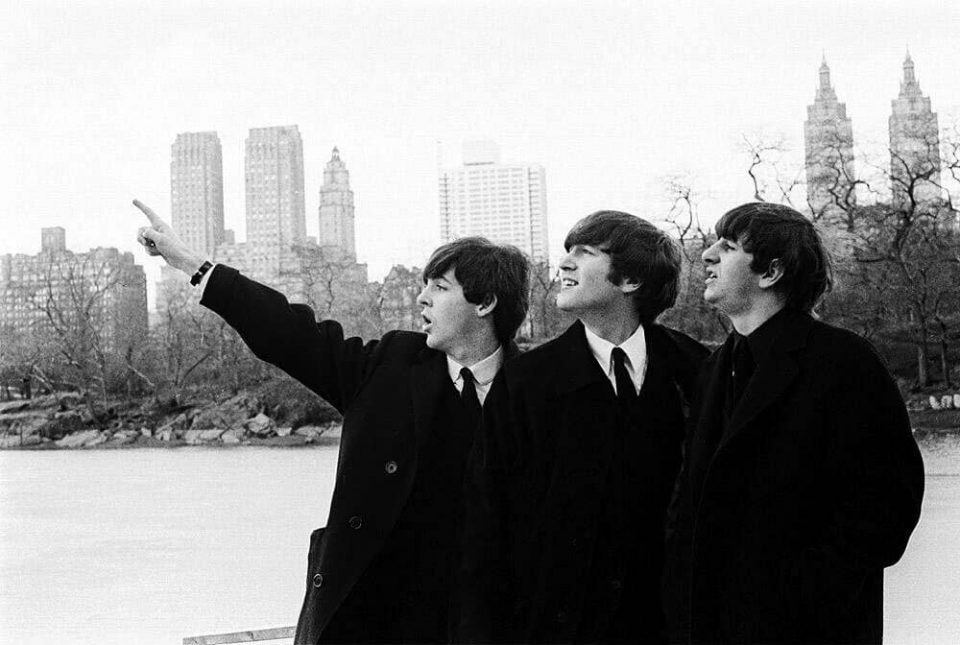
[(318, 580), (355, 522), (390, 467), (562, 616), (616, 584)]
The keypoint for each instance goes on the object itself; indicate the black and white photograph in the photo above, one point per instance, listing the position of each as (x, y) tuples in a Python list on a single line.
[(479, 321)]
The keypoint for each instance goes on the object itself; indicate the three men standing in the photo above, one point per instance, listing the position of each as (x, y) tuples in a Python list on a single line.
[(800, 483), (801, 479)]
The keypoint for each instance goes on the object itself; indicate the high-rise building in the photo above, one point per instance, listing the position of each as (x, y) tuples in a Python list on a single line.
[(828, 139), (914, 144), (196, 190), (336, 208), (276, 216), (506, 203), (72, 295)]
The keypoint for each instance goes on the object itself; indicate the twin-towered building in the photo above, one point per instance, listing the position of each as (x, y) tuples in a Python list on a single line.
[(276, 250), (914, 146)]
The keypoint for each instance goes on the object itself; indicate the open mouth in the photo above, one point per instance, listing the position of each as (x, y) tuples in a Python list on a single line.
[(568, 282), (425, 322)]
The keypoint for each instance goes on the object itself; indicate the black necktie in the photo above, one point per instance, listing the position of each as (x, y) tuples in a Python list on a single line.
[(741, 370), (626, 391), (469, 396)]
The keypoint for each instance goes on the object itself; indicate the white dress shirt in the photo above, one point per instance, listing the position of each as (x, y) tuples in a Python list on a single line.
[(635, 349), (483, 372)]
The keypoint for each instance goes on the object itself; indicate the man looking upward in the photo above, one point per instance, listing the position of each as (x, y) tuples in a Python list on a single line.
[(801, 478), (382, 569), (569, 483)]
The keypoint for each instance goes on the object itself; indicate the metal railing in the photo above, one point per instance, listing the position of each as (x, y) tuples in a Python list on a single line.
[(249, 636)]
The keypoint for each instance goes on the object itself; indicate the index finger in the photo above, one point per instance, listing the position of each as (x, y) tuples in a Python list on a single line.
[(153, 217)]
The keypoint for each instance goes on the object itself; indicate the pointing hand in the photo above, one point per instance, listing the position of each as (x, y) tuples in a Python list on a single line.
[(160, 239)]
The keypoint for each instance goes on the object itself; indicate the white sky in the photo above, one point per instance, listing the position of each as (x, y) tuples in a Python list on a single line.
[(610, 97)]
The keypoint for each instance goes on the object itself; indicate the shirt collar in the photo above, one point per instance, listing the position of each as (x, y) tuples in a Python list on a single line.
[(634, 347), (483, 372)]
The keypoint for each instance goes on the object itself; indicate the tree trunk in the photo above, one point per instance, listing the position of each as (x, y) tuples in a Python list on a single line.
[(945, 361), (923, 374)]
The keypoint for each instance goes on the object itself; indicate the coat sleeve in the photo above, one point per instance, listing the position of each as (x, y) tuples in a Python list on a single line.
[(288, 336), (880, 489), (485, 589)]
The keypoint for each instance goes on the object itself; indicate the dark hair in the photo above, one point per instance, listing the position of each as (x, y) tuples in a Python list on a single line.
[(638, 251), (484, 270), (776, 232)]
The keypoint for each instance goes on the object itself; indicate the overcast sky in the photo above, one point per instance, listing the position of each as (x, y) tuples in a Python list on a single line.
[(610, 97)]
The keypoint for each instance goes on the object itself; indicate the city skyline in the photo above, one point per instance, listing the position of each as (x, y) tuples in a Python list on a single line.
[(609, 98)]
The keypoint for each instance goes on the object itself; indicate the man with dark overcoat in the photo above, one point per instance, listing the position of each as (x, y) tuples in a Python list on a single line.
[(382, 569), (569, 482), (801, 478)]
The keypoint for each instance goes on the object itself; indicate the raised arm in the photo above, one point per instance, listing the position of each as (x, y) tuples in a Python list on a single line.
[(278, 332)]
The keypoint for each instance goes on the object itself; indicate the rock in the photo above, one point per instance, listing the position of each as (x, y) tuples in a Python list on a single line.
[(197, 437), (934, 403), (174, 427), (81, 439), (260, 425), (284, 431), (124, 437), (956, 401), (145, 431), (946, 402), (222, 416), (29, 425), (15, 406), (309, 431), (164, 434), (62, 424), (231, 437)]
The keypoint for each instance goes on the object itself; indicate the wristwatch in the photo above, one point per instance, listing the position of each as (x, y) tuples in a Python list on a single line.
[(198, 276)]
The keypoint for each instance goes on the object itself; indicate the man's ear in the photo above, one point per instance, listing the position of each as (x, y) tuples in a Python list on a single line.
[(629, 285), (772, 275), (487, 306)]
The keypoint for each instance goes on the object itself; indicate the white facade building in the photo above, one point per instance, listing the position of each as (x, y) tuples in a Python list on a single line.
[(506, 203)]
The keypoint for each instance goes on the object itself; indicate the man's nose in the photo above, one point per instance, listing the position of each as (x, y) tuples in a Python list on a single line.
[(710, 255), (422, 297), (566, 263)]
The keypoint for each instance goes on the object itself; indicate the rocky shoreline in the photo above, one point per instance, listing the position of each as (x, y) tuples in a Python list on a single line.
[(63, 422)]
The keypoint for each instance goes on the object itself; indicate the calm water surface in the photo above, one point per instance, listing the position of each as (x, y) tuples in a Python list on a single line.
[(149, 546)]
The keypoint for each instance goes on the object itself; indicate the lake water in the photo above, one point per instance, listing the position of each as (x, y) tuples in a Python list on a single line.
[(149, 546)]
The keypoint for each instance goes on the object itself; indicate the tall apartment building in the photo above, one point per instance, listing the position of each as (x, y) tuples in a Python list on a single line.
[(336, 208), (828, 141), (914, 143), (506, 203), (103, 289), (276, 215), (196, 190)]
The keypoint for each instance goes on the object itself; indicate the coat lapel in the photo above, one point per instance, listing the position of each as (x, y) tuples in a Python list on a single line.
[(773, 376), (580, 369), (428, 378)]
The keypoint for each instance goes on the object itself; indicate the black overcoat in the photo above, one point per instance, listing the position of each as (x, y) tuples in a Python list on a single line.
[(782, 525), (388, 392), (535, 492)]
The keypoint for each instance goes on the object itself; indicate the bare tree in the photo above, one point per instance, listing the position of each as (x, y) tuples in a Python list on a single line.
[(690, 314)]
